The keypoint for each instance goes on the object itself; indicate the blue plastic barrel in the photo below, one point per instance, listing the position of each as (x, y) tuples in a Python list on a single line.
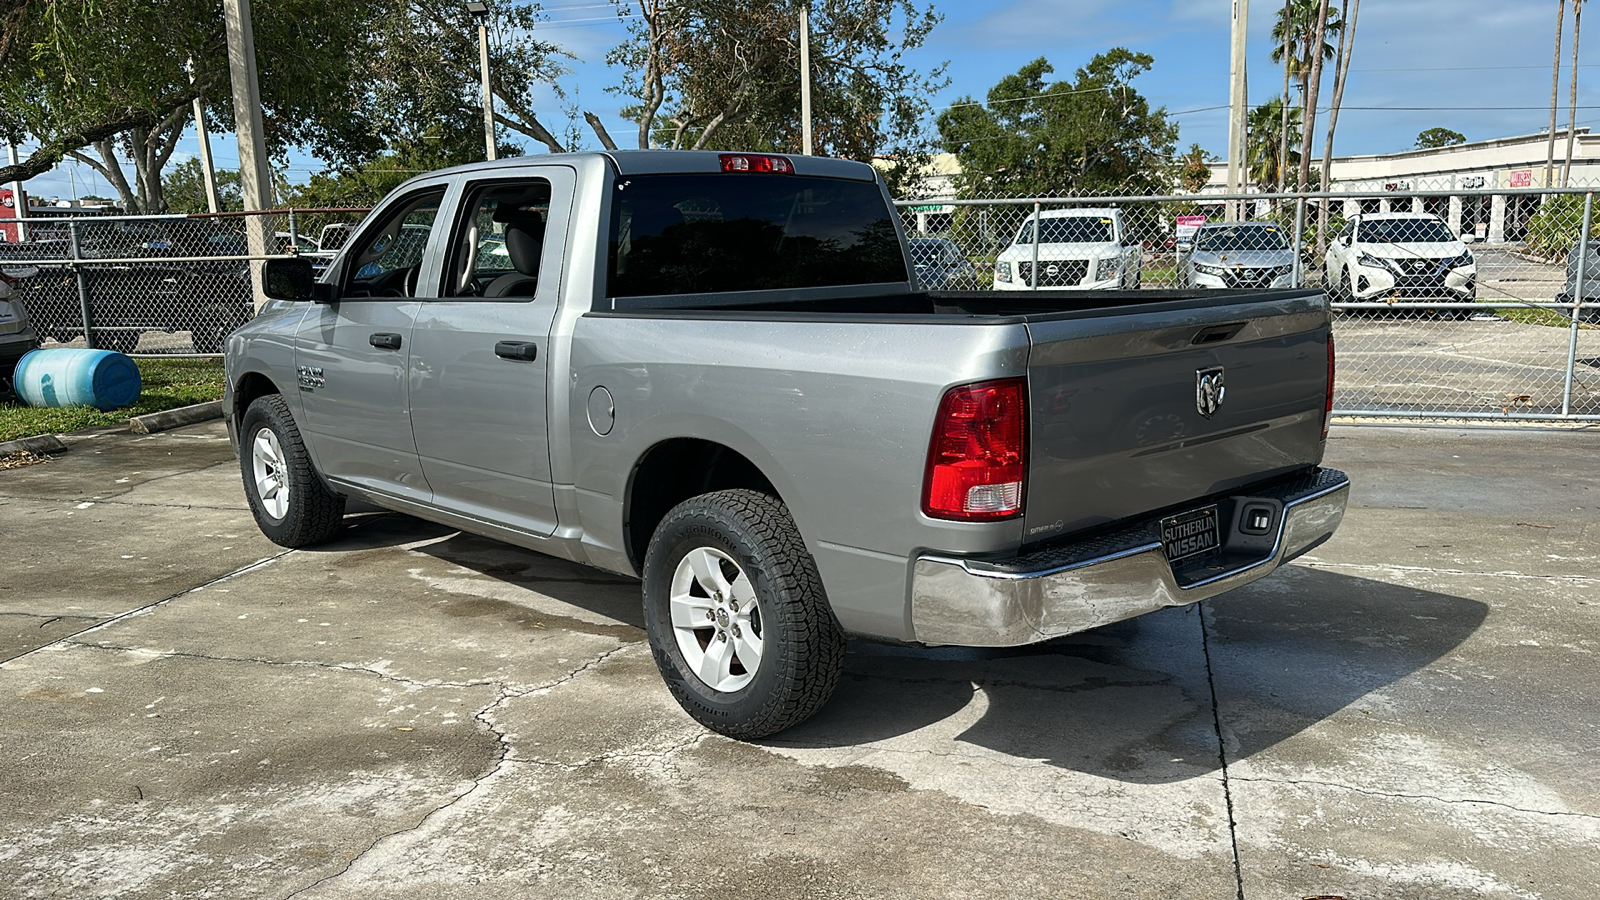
[(103, 379)]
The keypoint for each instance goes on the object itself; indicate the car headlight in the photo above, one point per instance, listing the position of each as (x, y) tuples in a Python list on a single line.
[(1002, 272), (1207, 269), (1107, 268), (1367, 259), (1465, 259), (1281, 271)]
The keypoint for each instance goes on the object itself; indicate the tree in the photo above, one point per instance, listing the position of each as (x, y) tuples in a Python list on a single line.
[(184, 189), (1266, 168), (110, 82), (1295, 36), (1555, 92), (1434, 138), (1313, 84), (1349, 13), (1193, 171), (1096, 133), (708, 74)]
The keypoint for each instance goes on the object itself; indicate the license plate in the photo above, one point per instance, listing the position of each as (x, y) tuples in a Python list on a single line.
[(1190, 535)]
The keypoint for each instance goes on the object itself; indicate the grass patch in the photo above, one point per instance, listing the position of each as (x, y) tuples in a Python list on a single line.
[(167, 384), (1553, 318)]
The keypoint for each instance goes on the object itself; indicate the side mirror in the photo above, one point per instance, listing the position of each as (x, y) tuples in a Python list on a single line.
[(293, 279), (1468, 238)]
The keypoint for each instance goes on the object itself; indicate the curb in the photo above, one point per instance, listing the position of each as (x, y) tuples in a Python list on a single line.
[(43, 445), (151, 423)]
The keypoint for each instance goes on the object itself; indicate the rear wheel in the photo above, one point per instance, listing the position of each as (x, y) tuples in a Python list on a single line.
[(291, 505), (738, 622)]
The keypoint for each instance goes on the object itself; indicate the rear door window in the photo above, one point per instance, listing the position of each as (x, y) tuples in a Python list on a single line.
[(695, 234)]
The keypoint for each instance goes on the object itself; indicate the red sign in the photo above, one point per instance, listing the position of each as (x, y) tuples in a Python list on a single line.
[(1521, 178), (1195, 221)]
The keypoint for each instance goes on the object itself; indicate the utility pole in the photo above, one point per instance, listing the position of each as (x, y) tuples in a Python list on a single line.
[(207, 168), (19, 200), (254, 180), (805, 77), (1237, 108), (480, 11)]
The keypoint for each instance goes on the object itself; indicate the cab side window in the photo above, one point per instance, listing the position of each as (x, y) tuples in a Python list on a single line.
[(499, 240), (388, 260)]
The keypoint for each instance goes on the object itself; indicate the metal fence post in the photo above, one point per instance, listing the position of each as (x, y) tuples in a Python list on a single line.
[(1577, 302), (1038, 233), (1299, 239), (83, 286), (294, 229)]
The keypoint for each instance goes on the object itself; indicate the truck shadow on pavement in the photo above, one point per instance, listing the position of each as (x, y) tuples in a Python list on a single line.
[(1133, 701)]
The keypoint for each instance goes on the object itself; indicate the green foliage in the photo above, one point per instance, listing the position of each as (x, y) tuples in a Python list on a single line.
[(185, 188), (1434, 138), (1298, 19), (1267, 170), (1554, 229), (707, 74), (1193, 173), (167, 384), (1096, 133)]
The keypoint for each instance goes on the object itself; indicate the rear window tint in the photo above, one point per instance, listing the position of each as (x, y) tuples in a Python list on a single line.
[(697, 234)]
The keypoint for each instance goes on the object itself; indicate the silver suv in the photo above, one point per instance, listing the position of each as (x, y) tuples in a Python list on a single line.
[(17, 335)]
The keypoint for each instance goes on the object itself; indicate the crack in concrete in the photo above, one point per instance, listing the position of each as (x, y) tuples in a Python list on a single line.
[(111, 497), (283, 663), (502, 760), (152, 605), (1398, 795), (661, 755), (1222, 754)]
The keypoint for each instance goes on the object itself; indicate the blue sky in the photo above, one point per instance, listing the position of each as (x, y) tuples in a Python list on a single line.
[(1480, 67)]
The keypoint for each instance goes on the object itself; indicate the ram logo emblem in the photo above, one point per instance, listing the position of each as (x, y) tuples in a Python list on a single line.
[(1208, 390)]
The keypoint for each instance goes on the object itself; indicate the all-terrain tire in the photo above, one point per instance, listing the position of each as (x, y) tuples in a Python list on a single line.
[(273, 458), (802, 650)]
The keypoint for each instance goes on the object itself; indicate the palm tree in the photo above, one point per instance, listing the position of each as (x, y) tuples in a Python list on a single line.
[(1572, 98), (1348, 15), (1268, 168), (1294, 33), (1555, 91)]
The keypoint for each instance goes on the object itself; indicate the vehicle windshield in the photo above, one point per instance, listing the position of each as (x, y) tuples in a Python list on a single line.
[(934, 252), (1241, 237), (694, 234), (1403, 231), (1071, 230)]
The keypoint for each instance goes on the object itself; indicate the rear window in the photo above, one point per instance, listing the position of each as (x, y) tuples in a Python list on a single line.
[(698, 234)]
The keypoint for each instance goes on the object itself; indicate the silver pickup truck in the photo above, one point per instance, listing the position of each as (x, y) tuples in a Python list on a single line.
[(715, 372)]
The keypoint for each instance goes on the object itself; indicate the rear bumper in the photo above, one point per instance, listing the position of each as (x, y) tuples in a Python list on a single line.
[(1113, 576)]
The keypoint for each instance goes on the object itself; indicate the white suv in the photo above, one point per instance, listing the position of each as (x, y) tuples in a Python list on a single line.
[(1401, 256), (1079, 249)]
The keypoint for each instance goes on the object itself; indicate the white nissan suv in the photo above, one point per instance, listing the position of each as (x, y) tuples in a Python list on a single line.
[(1078, 249), (1401, 257)]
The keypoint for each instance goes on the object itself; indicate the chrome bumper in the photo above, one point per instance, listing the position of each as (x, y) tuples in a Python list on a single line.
[(1115, 576)]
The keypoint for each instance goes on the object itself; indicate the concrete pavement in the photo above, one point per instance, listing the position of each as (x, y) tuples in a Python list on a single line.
[(188, 710)]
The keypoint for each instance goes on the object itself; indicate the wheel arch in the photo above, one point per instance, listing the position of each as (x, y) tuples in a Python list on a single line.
[(673, 470)]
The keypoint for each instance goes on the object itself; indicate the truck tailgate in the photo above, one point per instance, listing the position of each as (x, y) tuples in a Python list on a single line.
[(1120, 424)]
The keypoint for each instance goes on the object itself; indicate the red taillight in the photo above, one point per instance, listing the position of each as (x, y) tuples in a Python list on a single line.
[(751, 162), (1327, 409), (978, 455)]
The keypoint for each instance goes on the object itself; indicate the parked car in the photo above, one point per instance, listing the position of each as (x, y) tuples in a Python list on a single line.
[(1252, 255), (1078, 249), (1401, 257), (940, 265), (716, 372), (1590, 311), (173, 283), (17, 335)]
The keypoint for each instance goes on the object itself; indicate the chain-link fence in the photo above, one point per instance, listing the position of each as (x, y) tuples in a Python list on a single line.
[(1451, 301), (156, 285)]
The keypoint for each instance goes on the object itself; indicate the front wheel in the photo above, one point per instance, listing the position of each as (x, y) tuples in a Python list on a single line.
[(291, 505), (738, 622)]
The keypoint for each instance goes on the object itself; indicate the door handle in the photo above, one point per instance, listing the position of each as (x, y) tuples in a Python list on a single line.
[(524, 350), (385, 341)]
